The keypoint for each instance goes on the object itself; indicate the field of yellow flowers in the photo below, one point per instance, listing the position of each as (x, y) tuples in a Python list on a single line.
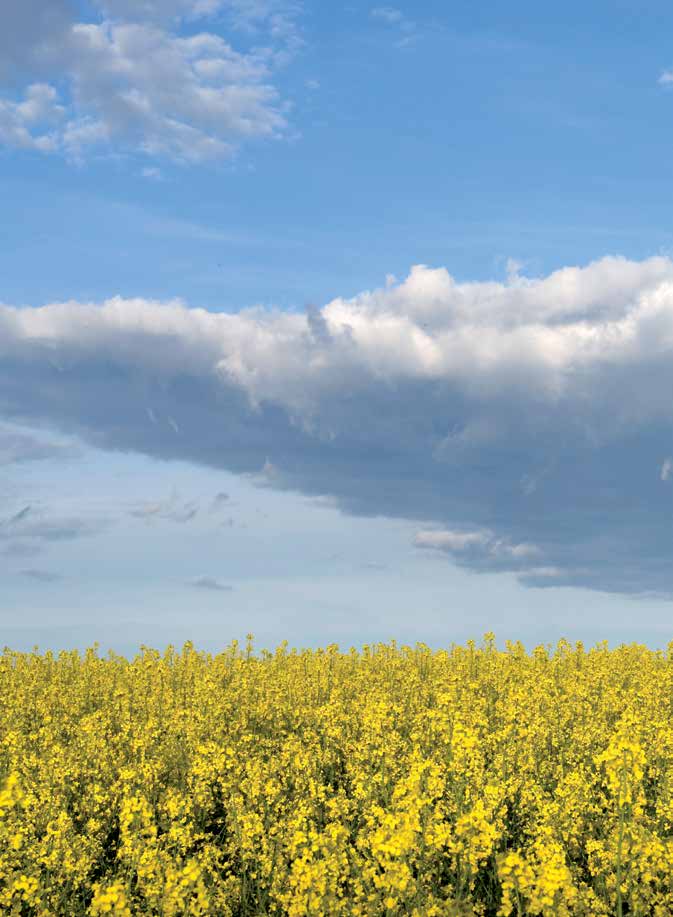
[(390, 780)]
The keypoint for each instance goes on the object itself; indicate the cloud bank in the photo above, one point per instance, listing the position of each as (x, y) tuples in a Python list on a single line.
[(133, 81), (526, 426)]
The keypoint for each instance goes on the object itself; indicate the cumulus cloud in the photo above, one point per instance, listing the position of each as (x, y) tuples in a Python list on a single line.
[(516, 423), (134, 82)]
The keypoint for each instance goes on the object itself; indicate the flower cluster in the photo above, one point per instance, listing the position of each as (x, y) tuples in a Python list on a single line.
[(389, 780)]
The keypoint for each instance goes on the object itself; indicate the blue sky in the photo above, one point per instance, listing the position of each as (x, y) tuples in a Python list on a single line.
[(423, 453)]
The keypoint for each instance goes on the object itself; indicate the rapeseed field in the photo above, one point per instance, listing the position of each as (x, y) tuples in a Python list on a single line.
[(389, 780)]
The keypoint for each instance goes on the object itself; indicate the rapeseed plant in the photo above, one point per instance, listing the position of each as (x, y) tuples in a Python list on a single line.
[(387, 781)]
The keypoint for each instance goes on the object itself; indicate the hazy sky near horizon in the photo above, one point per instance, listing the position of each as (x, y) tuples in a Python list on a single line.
[(335, 323)]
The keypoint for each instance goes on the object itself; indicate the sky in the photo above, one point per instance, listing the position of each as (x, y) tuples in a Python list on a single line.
[(335, 322)]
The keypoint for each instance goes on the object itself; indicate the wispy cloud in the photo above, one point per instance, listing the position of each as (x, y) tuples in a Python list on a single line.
[(20, 548), (27, 531), (153, 173), (395, 18), (38, 525), (172, 509), (22, 515), (210, 584), (41, 576), (388, 14), (219, 502)]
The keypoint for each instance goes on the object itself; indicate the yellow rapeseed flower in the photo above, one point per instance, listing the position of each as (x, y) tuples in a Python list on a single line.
[(468, 782)]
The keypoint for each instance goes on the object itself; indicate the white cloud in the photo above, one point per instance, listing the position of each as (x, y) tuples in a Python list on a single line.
[(136, 84), (485, 338), (666, 78), (666, 469), (517, 423), (186, 99)]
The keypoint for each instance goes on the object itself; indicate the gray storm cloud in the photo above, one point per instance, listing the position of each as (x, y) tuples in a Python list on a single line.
[(518, 423)]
